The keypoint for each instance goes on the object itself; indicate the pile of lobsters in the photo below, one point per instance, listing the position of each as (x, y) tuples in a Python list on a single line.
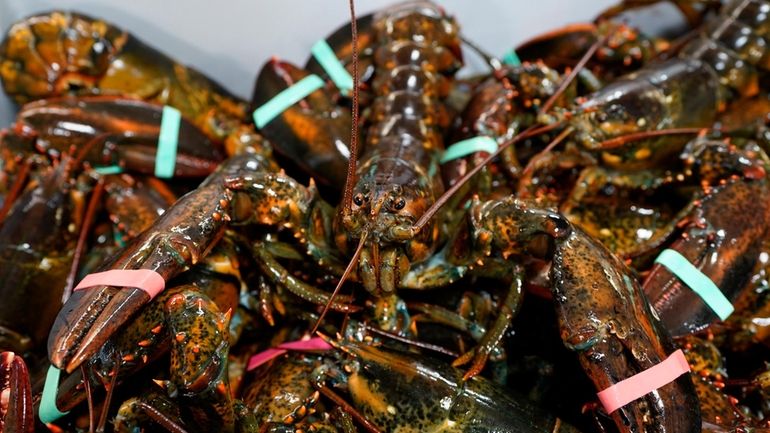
[(577, 239)]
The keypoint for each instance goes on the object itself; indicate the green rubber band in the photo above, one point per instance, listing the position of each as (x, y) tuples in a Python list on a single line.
[(290, 96), (168, 140), (511, 58), (697, 281), (467, 147), (109, 169), (332, 65), (48, 411)]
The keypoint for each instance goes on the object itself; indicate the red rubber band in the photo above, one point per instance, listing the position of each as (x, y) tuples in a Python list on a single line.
[(311, 344), (146, 280), (628, 390)]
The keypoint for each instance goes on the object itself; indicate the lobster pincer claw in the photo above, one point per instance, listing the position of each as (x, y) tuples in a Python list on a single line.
[(177, 240), (722, 242), (312, 134), (16, 413), (604, 316)]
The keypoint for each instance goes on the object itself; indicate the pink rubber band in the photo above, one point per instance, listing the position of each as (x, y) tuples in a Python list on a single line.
[(316, 343), (628, 390), (146, 280), (263, 356)]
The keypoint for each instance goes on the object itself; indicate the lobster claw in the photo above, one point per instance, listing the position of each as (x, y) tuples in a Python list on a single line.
[(59, 123), (16, 413), (181, 237), (723, 240), (313, 134)]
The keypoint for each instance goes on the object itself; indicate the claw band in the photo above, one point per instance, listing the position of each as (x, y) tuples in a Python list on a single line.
[(146, 280), (108, 169), (467, 147), (628, 390), (511, 58), (331, 64), (48, 411), (168, 140), (697, 281), (260, 358), (290, 96)]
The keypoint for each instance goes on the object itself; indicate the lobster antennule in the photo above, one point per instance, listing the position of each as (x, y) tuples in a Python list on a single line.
[(344, 277), (347, 198)]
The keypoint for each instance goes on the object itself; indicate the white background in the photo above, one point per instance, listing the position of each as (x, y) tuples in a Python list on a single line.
[(230, 40)]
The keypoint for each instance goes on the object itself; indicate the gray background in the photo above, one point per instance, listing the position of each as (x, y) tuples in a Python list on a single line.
[(230, 40)]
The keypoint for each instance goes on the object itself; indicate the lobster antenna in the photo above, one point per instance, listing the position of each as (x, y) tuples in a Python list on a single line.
[(16, 189), (344, 277), (555, 142), (491, 60), (108, 397), (89, 399), (441, 201), (85, 231), (636, 136), (575, 71), (347, 197), (409, 341)]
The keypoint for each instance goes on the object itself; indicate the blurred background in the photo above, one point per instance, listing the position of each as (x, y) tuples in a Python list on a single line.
[(230, 40)]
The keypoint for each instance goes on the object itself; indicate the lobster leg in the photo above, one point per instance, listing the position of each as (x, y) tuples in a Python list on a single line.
[(492, 338), (16, 414), (280, 275)]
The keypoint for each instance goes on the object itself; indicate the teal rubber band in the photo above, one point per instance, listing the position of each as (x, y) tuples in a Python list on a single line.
[(290, 96), (697, 281), (109, 169), (467, 147), (168, 140), (511, 58), (48, 411), (332, 65)]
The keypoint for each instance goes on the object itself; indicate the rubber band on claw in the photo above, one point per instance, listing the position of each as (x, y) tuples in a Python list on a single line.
[(511, 58), (168, 141), (324, 54), (697, 281), (312, 344), (466, 147), (146, 280), (48, 411), (640, 384), (290, 96)]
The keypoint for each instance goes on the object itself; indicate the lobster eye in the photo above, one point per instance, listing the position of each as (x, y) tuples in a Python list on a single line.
[(358, 199), (400, 203)]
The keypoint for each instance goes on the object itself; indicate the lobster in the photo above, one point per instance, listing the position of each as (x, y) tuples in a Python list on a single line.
[(249, 189), (64, 53), (122, 132)]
